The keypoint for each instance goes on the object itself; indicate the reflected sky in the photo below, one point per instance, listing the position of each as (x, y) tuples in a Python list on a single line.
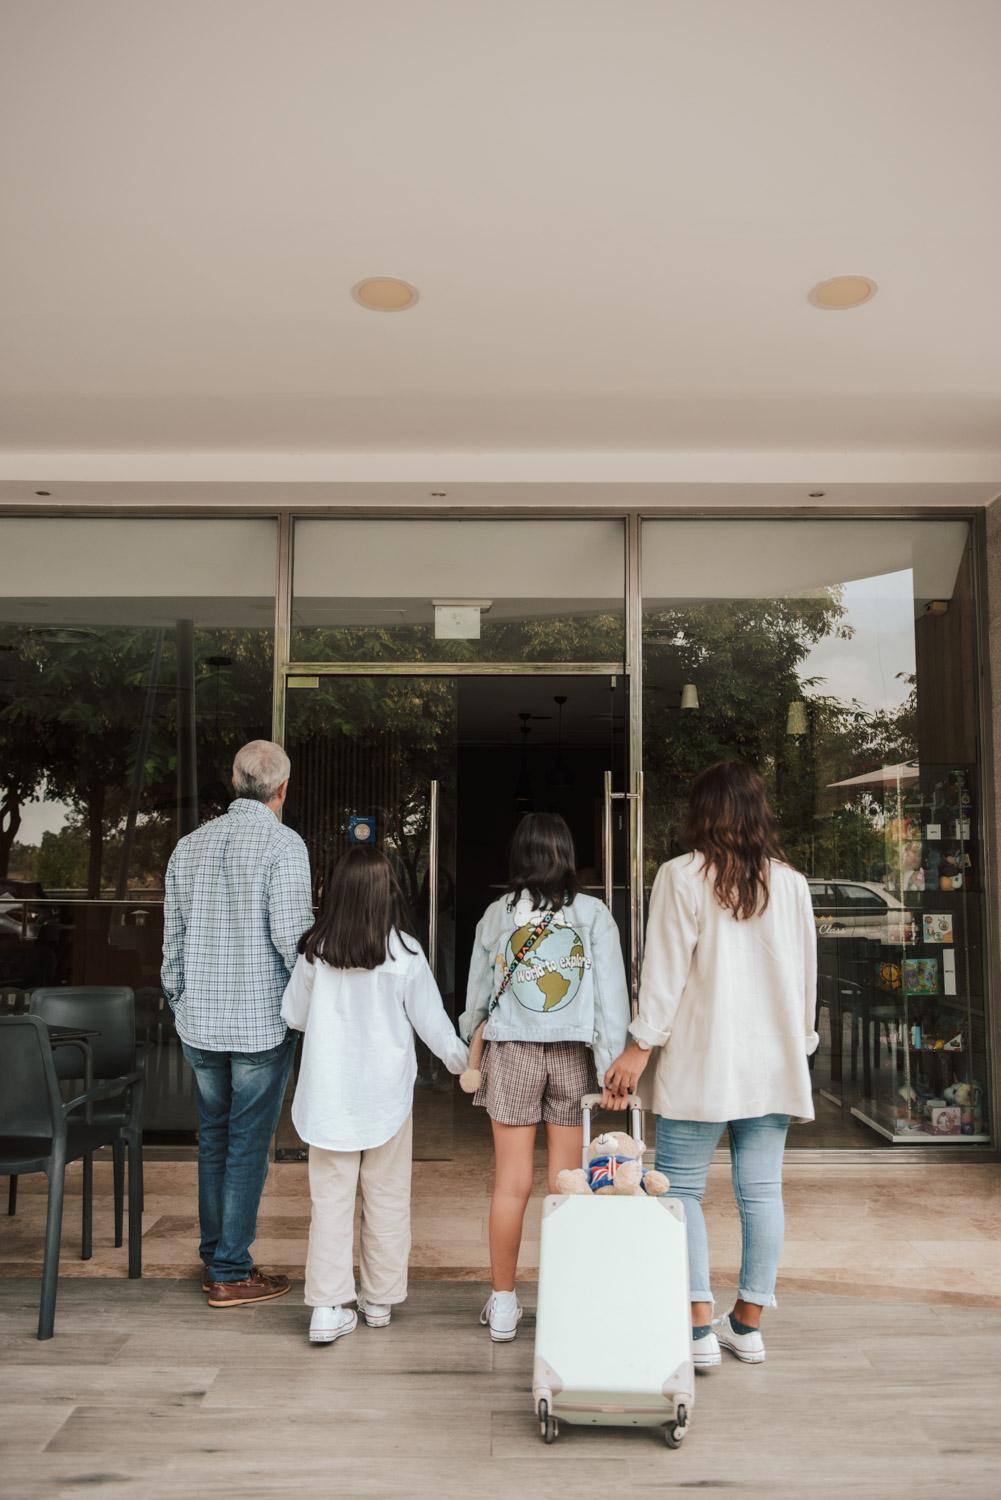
[(880, 611)]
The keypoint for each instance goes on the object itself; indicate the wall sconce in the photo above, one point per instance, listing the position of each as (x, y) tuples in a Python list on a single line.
[(689, 696), (797, 723)]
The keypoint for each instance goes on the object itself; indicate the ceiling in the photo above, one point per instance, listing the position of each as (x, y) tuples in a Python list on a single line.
[(613, 214)]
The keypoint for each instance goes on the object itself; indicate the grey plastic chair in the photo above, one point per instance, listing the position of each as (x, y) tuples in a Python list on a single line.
[(110, 1011), (39, 1132)]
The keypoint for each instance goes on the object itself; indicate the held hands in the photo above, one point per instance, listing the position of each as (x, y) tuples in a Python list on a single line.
[(622, 1078)]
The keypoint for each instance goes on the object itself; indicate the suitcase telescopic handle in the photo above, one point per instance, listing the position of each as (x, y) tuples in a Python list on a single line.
[(591, 1101)]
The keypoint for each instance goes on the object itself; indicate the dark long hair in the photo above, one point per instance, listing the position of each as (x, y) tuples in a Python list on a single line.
[(731, 824), (362, 905), (543, 861)]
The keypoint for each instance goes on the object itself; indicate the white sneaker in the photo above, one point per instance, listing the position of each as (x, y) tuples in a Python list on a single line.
[(376, 1314), (503, 1314), (329, 1323), (748, 1347), (705, 1352)]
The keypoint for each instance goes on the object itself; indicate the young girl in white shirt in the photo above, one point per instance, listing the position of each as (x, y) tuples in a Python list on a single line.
[(359, 991)]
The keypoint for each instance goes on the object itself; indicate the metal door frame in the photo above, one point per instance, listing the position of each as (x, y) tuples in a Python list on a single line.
[(631, 669)]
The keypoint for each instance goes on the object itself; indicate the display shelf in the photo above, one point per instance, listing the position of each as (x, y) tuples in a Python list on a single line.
[(910, 974), (919, 1135)]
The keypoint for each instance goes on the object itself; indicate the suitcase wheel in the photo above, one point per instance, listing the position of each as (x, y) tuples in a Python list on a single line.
[(549, 1426), (674, 1432)]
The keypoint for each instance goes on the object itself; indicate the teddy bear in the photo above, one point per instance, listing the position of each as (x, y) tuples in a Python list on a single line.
[(614, 1165)]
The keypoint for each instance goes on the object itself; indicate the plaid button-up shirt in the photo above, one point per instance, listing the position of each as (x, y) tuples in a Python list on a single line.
[(238, 899)]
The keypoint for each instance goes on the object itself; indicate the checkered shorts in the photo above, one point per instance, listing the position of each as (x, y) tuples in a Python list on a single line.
[(525, 1082)]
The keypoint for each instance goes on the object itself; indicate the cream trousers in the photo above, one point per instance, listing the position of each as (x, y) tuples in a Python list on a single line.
[(383, 1174)]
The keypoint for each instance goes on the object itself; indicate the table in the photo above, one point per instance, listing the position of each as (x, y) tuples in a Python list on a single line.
[(61, 1035)]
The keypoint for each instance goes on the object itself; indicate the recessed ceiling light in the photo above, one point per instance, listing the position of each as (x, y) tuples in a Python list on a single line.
[(841, 292), (384, 294)]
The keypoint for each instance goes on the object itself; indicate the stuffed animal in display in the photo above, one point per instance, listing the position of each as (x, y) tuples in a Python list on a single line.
[(614, 1165)]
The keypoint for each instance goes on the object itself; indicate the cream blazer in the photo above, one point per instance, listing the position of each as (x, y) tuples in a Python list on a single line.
[(731, 1005)]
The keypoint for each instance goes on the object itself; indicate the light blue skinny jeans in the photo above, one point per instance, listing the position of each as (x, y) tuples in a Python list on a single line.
[(684, 1151)]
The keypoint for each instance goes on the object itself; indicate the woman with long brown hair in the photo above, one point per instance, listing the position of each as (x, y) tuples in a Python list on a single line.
[(728, 999)]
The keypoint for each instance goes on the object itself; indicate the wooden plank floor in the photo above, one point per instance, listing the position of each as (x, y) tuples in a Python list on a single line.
[(147, 1394)]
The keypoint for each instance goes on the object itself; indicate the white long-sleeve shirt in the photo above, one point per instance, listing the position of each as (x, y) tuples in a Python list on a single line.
[(730, 1004), (356, 1078)]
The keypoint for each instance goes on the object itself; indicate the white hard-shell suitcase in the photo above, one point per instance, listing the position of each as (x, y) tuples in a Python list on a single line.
[(613, 1335)]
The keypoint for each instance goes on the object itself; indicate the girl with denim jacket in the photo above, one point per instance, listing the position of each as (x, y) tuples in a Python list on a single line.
[(548, 984)]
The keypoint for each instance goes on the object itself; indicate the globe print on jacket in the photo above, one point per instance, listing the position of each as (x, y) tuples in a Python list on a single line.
[(570, 986), (549, 976)]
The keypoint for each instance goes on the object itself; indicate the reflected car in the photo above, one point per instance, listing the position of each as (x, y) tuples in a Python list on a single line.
[(16, 926), (20, 921), (859, 908)]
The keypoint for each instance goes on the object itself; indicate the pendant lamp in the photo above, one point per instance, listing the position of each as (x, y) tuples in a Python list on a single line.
[(560, 774), (797, 723), (689, 696), (524, 800)]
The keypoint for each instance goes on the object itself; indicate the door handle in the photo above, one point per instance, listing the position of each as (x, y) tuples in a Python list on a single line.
[(606, 840), (636, 932), (433, 878), (635, 883)]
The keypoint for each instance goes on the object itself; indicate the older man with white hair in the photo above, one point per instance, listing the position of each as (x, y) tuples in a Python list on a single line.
[(238, 899)]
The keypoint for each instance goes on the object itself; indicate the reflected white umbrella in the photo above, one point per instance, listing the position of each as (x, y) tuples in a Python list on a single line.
[(907, 770)]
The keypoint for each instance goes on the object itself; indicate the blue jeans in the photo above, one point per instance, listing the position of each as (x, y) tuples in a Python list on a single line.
[(684, 1151), (239, 1100)]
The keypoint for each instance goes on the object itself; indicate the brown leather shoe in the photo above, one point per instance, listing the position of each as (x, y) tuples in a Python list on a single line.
[(257, 1288), (207, 1282)]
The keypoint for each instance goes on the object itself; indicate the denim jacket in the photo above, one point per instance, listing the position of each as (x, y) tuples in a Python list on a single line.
[(570, 985)]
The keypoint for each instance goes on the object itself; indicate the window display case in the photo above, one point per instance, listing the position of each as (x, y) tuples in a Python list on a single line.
[(913, 981)]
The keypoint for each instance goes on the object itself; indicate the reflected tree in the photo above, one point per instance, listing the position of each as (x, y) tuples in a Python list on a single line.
[(72, 706), (71, 719)]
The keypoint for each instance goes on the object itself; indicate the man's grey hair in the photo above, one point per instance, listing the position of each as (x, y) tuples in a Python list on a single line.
[(259, 770)]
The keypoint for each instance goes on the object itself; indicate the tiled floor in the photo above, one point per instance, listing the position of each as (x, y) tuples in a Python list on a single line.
[(147, 1394), (878, 1229)]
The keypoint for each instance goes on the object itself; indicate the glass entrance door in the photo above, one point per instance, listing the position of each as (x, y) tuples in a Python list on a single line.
[(437, 771), (374, 761)]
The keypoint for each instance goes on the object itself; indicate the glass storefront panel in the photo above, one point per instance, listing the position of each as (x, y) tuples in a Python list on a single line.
[(463, 591), (839, 658), (136, 656)]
